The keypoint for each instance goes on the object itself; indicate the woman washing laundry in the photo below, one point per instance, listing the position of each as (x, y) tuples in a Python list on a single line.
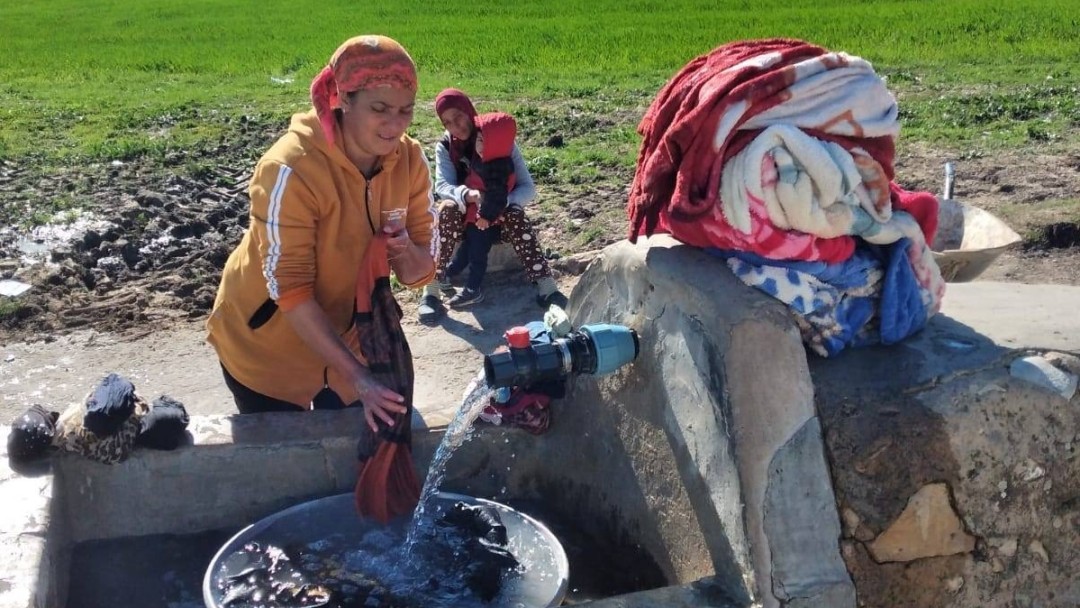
[(322, 198), (305, 317)]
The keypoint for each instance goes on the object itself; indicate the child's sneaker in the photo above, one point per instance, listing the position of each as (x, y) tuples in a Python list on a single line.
[(445, 286), (556, 297), (465, 297)]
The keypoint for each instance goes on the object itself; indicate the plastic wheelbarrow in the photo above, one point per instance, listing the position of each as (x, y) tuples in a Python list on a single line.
[(968, 240)]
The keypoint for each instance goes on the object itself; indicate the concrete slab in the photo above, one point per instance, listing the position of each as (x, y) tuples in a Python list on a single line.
[(1015, 315), (980, 326), (33, 535)]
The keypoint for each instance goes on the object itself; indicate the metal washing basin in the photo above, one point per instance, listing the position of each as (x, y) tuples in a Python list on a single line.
[(333, 520)]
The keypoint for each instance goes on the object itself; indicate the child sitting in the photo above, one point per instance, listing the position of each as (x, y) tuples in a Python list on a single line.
[(493, 175)]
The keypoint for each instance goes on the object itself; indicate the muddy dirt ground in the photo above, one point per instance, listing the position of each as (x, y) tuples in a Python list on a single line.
[(129, 290), (153, 234)]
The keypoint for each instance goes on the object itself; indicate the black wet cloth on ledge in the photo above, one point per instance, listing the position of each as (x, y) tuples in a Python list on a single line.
[(31, 434), (164, 426), (483, 558), (109, 406)]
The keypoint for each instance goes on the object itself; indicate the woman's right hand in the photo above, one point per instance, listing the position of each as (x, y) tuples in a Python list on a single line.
[(473, 197), (379, 402)]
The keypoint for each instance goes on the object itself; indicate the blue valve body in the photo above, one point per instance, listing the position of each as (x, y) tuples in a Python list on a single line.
[(616, 345)]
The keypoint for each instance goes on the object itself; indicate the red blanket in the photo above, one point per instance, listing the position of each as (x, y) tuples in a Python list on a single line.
[(716, 105)]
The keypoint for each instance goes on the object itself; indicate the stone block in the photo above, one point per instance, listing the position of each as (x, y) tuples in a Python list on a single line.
[(687, 451)]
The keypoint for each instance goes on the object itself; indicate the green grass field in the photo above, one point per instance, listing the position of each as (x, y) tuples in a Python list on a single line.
[(115, 79)]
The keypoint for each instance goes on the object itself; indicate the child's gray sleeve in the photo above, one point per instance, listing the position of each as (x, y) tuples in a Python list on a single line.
[(524, 191)]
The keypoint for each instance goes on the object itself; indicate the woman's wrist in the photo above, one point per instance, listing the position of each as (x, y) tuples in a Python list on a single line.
[(358, 376), (413, 265)]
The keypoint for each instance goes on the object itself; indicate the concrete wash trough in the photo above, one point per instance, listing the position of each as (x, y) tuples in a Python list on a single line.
[(706, 453)]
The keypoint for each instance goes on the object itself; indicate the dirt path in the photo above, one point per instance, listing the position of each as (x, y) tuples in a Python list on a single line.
[(178, 362)]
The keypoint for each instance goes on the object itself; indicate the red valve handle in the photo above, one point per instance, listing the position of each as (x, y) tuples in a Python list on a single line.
[(518, 337)]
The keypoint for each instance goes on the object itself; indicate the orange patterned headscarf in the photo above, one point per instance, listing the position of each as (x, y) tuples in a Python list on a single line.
[(363, 62)]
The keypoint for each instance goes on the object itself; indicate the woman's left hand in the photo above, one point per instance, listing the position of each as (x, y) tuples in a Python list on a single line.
[(482, 224), (408, 261), (397, 243)]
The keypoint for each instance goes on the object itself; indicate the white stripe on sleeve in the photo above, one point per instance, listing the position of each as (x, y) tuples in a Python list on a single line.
[(273, 234), (432, 210)]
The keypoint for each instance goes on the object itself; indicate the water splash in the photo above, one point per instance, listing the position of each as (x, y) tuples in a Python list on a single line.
[(477, 395)]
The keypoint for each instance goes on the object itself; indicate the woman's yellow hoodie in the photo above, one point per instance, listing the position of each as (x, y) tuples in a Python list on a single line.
[(313, 215)]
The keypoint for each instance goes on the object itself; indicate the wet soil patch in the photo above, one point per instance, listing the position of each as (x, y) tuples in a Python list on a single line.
[(1060, 235)]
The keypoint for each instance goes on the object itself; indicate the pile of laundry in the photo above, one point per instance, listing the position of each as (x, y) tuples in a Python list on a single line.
[(105, 427), (777, 156)]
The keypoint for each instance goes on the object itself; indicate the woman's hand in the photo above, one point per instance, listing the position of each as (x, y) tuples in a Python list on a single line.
[(409, 261), (473, 196), (379, 401), (397, 241), (482, 224), (311, 324)]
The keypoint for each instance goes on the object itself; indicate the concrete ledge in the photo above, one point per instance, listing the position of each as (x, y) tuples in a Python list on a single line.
[(34, 537), (236, 470)]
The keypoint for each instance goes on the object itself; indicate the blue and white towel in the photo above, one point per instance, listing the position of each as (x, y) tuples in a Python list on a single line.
[(872, 297)]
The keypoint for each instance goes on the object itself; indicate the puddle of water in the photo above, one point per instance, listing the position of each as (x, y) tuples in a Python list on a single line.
[(35, 245), (957, 344), (30, 247)]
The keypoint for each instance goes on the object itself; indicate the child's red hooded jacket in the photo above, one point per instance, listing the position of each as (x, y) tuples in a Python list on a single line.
[(494, 175)]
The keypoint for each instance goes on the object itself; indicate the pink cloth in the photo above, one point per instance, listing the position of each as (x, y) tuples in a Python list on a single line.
[(362, 62), (454, 98)]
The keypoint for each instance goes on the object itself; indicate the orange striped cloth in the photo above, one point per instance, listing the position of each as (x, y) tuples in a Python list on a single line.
[(362, 62)]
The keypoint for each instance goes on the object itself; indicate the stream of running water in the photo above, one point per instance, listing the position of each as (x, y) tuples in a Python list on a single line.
[(460, 430)]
